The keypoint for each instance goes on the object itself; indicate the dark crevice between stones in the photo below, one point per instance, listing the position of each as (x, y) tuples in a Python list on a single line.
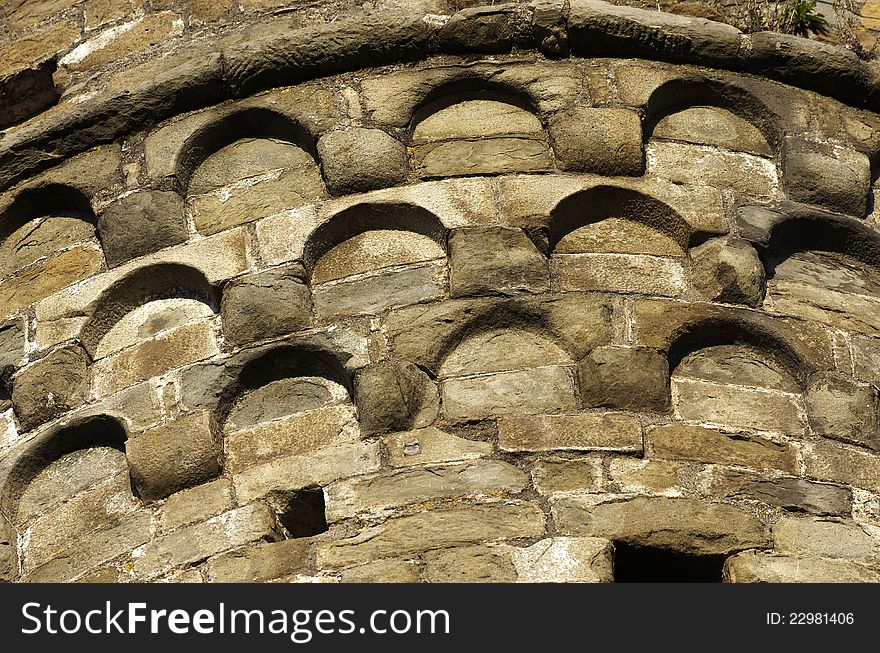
[(302, 512), (27, 93), (636, 564)]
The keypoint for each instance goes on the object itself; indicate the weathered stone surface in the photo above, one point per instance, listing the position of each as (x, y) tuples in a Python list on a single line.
[(866, 359), (825, 538), (93, 551), (830, 462), (713, 126), (359, 159), (392, 570), (195, 504), (51, 386), (181, 346), (625, 378), (602, 141), (757, 567), (684, 525), (585, 431), (563, 560), (39, 238), (626, 273), (101, 12), (683, 163), (842, 409), (738, 407), (551, 476), (285, 398), (296, 434), (789, 493), (500, 350), (180, 454), (251, 523), (266, 305), (837, 183), (141, 223), (488, 156), (522, 392), (647, 476), (8, 551), (395, 396), (468, 564), (494, 260), (679, 441), (728, 270), (478, 29), (434, 529), (11, 345), (376, 294), (260, 563), (378, 493), (431, 445), (47, 277), (302, 470)]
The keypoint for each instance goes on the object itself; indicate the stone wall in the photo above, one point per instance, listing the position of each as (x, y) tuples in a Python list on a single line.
[(525, 293)]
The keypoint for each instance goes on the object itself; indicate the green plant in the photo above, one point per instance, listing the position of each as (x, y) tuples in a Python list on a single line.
[(797, 17)]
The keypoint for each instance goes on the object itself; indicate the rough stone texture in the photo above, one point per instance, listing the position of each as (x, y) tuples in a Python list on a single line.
[(679, 441), (625, 378), (357, 160), (551, 476), (623, 273), (844, 410), (181, 454), (840, 184), (584, 432), (603, 141), (494, 261), (8, 551), (431, 445), (825, 538), (195, 504), (260, 562), (394, 396), (757, 567), (831, 462), (11, 345), (141, 223), (789, 493), (51, 386), (728, 270), (684, 525), (266, 305)]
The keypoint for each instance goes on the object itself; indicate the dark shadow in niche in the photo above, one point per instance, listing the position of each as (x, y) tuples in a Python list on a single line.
[(635, 564), (301, 512)]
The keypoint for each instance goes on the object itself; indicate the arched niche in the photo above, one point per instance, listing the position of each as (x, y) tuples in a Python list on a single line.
[(40, 222), (372, 257), (68, 487), (289, 400), (737, 376), (617, 240), (147, 301), (826, 269), (505, 364), (247, 165), (474, 127), (711, 132)]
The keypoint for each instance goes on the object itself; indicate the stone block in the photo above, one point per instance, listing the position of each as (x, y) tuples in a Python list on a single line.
[(393, 570), (141, 223), (837, 183), (683, 442), (12, 345), (641, 476), (101, 12), (468, 564), (482, 156), (377, 494), (796, 494), (581, 432), (728, 270), (824, 537), (495, 261), (520, 392), (266, 305), (759, 567), (233, 529), (684, 525), (563, 560), (259, 563), (842, 409), (478, 30), (442, 527), (625, 378), (550, 476), (395, 396), (359, 159), (599, 140), (622, 273), (831, 462), (8, 551), (431, 445), (178, 455), (195, 504), (52, 386)]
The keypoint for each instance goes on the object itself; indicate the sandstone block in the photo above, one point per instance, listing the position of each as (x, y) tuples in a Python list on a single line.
[(758, 567), (824, 537), (11, 345), (830, 462), (842, 409), (431, 445), (840, 184), (393, 396), (788, 493), (551, 476), (625, 378), (141, 223), (647, 476), (685, 525), (623, 273), (195, 504), (468, 564), (260, 562), (393, 570), (266, 305), (603, 141), (483, 156), (494, 260), (679, 441), (52, 386), (563, 560), (358, 159), (178, 455), (479, 30), (728, 270), (584, 431), (8, 551)]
